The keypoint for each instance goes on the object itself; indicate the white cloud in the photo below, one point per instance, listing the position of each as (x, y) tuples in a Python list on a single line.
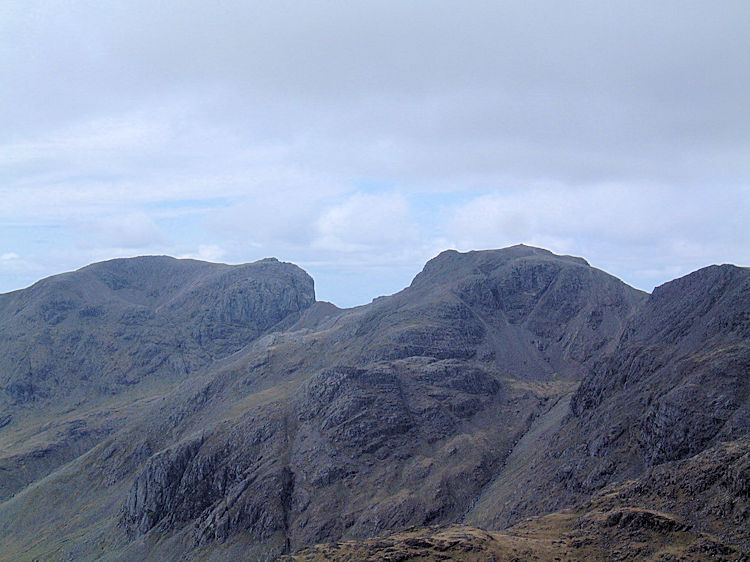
[(366, 222), (132, 231), (22, 270), (207, 252), (646, 234), (278, 210)]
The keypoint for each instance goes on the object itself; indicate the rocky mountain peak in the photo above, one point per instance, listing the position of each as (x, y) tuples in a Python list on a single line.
[(451, 266), (109, 325)]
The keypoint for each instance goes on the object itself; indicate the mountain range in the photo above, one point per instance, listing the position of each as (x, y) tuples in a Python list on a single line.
[(508, 404)]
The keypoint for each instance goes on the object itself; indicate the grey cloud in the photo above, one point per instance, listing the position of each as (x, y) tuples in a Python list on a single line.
[(589, 80), (267, 115)]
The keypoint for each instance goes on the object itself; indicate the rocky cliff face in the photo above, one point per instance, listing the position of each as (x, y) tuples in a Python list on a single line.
[(681, 374), (457, 399), (676, 384), (115, 332), (686, 360)]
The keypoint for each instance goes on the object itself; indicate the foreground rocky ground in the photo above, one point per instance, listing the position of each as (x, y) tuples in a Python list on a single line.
[(619, 534)]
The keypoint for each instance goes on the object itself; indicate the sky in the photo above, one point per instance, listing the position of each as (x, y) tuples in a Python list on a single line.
[(360, 139)]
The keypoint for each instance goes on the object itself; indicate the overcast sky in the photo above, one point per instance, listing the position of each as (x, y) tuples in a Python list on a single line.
[(359, 139)]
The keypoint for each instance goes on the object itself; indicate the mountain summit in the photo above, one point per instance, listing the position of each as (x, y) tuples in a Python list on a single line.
[(175, 409)]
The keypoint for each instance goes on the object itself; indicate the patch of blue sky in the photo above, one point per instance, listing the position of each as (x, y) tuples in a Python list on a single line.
[(373, 185), (29, 252), (17, 237)]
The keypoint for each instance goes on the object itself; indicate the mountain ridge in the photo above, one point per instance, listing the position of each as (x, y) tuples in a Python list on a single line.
[(300, 423)]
